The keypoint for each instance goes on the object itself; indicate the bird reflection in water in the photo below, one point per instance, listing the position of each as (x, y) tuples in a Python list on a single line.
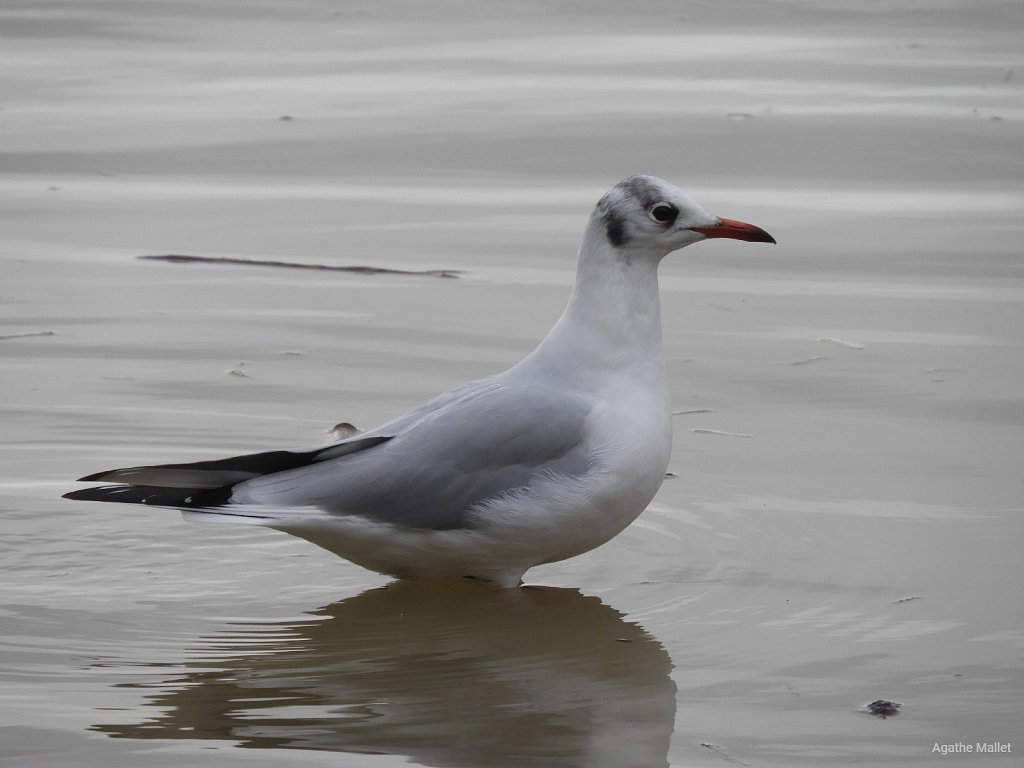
[(442, 673)]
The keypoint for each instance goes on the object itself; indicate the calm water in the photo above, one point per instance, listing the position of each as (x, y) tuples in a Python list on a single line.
[(846, 524)]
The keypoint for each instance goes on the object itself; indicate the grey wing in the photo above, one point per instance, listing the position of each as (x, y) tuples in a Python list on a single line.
[(489, 440)]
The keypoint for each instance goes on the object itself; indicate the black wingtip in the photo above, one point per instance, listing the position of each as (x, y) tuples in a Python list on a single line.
[(92, 494), (156, 496), (93, 478)]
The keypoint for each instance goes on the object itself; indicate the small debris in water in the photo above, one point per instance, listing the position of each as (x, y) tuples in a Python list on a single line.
[(26, 335), (176, 258), (882, 708), (841, 343), (702, 431), (722, 751), (343, 430), (907, 599), (671, 475), (803, 361)]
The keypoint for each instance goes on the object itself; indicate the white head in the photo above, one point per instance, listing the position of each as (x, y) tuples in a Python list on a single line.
[(643, 214)]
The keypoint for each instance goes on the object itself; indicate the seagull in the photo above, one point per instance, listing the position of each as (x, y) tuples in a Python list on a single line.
[(542, 462)]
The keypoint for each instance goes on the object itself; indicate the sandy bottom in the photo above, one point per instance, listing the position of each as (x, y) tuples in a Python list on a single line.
[(846, 525)]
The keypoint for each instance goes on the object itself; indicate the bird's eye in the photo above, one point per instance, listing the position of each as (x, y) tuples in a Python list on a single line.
[(664, 213)]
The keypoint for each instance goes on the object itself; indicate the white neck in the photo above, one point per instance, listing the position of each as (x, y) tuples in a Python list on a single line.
[(613, 319)]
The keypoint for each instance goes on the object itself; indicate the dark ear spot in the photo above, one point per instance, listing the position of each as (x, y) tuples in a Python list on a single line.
[(615, 228)]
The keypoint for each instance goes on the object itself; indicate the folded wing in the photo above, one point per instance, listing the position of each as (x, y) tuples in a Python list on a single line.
[(427, 469), (490, 442)]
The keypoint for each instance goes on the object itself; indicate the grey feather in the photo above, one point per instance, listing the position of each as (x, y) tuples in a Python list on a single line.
[(520, 430)]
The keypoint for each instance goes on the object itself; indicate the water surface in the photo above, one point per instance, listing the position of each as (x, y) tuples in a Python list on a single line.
[(846, 522)]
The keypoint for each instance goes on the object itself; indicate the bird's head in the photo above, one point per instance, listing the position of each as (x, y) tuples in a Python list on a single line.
[(643, 214)]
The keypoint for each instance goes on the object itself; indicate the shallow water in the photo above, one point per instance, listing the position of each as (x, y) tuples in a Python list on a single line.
[(846, 523)]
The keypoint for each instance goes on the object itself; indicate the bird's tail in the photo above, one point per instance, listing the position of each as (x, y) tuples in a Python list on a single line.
[(207, 485)]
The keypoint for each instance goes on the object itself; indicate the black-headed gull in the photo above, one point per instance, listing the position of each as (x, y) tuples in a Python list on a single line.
[(542, 462)]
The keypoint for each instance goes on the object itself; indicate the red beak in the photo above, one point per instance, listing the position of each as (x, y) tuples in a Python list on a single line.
[(736, 230)]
